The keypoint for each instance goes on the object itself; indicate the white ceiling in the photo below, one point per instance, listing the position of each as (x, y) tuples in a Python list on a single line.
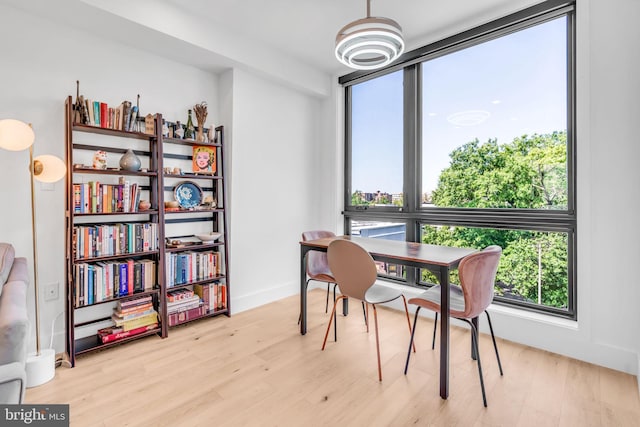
[(291, 40), (306, 29)]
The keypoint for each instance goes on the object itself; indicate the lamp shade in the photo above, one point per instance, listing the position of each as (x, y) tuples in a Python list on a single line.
[(369, 43), (15, 135), (48, 168)]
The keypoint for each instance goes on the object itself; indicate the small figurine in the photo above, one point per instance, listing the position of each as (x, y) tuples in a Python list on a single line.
[(165, 129), (100, 159)]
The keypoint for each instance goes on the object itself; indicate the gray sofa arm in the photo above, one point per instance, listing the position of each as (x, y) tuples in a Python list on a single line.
[(13, 379)]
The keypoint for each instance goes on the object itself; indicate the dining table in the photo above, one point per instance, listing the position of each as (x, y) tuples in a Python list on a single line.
[(436, 258)]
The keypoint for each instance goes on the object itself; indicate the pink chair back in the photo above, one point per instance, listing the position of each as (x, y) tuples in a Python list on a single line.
[(477, 278), (317, 264), (352, 266)]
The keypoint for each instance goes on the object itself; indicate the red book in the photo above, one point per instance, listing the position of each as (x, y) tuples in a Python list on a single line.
[(130, 276), (106, 337), (104, 115)]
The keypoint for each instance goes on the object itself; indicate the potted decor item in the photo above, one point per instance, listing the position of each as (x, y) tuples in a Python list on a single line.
[(129, 161), (201, 117)]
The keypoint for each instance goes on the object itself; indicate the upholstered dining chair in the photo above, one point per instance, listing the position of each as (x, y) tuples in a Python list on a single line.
[(356, 273), (477, 274), (317, 264)]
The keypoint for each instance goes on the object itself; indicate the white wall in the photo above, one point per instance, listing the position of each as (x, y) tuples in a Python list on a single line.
[(273, 188)]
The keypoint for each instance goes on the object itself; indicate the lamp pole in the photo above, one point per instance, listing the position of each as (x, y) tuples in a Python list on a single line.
[(32, 166)]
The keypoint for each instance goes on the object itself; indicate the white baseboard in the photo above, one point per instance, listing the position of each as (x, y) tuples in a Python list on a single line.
[(263, 296)]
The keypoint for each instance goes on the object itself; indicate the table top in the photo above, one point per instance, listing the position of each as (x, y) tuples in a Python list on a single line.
[(403, 251)]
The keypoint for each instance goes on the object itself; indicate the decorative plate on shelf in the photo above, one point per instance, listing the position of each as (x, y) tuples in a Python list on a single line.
[(188, 194)]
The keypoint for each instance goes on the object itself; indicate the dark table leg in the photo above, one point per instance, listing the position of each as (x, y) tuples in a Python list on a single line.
[(444, 332), (303, 290)]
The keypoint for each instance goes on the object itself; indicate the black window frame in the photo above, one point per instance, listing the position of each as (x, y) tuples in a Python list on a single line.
[(412, 212)]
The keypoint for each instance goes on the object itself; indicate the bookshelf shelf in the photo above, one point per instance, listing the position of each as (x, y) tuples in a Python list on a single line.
[(145, 212), (194, 247), (196, 282), (111, 132), (154, 291), (117, 256), (92, 171), (93, 343)]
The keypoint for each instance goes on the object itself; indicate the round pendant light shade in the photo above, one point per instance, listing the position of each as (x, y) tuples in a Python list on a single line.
[(48, 168), (15, 135), (369, 43)]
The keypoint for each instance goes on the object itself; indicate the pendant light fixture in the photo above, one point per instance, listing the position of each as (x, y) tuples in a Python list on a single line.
[(369, 43)]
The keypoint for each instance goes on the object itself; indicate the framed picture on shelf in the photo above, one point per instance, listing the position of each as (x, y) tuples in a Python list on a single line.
[(204, 159)]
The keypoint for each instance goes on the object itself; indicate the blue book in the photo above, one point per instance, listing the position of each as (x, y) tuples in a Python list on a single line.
[(96, 112), (124, 280), (90, 294)]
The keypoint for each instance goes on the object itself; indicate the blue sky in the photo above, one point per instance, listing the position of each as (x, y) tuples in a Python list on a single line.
[(502, 89)]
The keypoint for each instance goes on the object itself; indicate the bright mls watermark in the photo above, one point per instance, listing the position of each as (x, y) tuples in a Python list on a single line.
[(34, 415)]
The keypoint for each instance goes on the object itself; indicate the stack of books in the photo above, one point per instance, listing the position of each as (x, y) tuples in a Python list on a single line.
[(130, 317), (184, 305)]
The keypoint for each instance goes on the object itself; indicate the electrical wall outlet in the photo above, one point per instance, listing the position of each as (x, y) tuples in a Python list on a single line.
[(51, 292)]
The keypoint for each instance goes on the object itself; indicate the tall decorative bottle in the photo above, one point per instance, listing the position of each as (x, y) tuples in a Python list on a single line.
[(189, 132)]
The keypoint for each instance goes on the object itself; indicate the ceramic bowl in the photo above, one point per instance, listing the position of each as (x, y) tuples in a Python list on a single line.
[(208, 237)]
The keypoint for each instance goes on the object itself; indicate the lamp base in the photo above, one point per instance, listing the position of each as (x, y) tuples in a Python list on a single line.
[(41, 368)]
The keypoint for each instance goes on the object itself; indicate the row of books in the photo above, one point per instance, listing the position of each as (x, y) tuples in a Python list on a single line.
[(114, 239), (213, 295), (187, 267), (131, 317), (96, 197), (106, 280), (122, 117)]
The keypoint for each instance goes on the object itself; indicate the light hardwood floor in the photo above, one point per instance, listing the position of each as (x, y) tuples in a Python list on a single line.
[(255, 369)]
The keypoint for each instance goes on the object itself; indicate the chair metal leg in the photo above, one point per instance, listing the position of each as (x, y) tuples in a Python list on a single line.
[(435, 325), (326, 305), (364, 314), (413, 332), (333, 312), (375, 321), (406, 310), (474, 340), (495, 346), (335, 316)]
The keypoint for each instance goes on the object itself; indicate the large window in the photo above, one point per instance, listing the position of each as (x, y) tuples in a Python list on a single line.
[(376, 118), (494, 122), (470, 143)]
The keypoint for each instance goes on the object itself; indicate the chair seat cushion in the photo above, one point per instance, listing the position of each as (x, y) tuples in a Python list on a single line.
[(322, 278), (378, 294), (431, 299)]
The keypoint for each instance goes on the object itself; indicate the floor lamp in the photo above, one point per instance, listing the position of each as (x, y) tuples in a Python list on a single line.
[(17, 136)]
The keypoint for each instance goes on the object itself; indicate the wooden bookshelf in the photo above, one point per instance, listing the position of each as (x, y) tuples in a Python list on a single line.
[(91, 315), (158, 185)]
